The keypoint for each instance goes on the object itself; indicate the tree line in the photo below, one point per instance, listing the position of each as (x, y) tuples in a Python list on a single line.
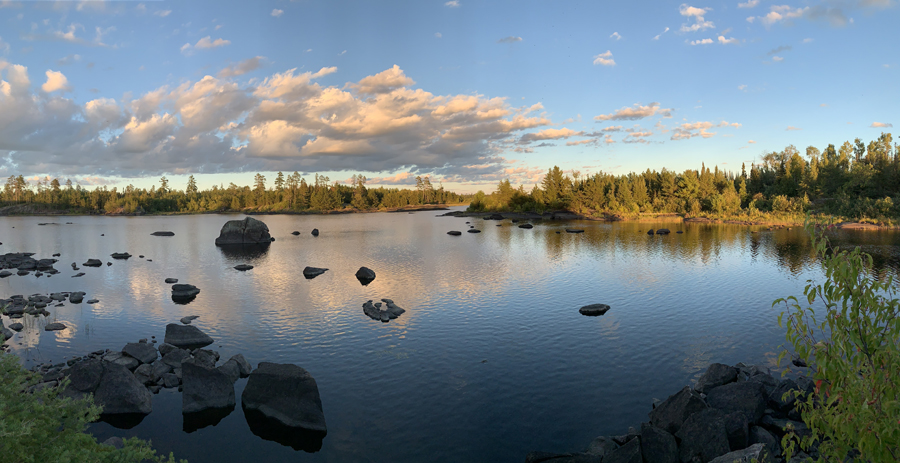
[(288, 193), (856, 180)]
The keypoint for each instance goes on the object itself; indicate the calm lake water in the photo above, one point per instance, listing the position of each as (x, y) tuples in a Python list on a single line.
[(490, 360)]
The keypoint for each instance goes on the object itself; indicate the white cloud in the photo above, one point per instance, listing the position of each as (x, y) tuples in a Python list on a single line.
[(205, 42), (549, 134), (701, 42), (635, 113), (606, 59), (790, 127), (55, 81), (689, 130), (4, 46), (742, 87), (141, 8), (748, 4), (883, 125), (339, 54), (452, 4), (751, 142), (510, 39), (698, 17), (778, 13), (807, 40), (615, 35), (219, 26), (777, 59), (243, 67), (660, 34), (162, 13), (725, 41), (276, 12), (438, 34)]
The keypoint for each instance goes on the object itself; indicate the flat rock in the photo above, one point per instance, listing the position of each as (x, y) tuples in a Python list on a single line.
[(473, 231), (93, 263), (187, 320), (286, 393), (295, 233), (526, 226), (171, 280), (16, 326), (594, 309), (55, 326), (186, 336), (183, 292), (243, 267), (454, 233), (312, 272), (246, 231), (163, 233), (143, 352), (205, 388), (574, 230), (120, 255), (663, 231)]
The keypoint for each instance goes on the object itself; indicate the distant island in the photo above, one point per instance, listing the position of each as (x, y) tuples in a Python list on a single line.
[(291, 194)]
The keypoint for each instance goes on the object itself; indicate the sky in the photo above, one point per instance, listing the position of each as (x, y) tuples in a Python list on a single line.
[(467, 92)]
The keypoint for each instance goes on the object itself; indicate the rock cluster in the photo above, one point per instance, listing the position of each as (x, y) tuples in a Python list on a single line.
[(375, 312), (24, 264), (18, 306), (733, 413)]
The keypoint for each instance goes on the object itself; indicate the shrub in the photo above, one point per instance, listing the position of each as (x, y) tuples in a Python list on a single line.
[(853, 350), (42, 426)]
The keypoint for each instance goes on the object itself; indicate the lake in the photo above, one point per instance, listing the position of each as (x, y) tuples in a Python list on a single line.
[(491, 359)]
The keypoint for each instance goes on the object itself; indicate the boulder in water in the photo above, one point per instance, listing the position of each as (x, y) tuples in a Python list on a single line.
[(243, 267), (163, 233), (247, 231), (186, 336), (312, 272), (286, 393), (454, 233), (594, 309), (204, 388), (365, 275), (184, 293)]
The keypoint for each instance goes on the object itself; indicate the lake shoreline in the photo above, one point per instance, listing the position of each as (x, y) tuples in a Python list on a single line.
[(662, 217), (5, 212)]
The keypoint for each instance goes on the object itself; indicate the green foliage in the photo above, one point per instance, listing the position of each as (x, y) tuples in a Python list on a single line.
[(853, 349), (42, 426)]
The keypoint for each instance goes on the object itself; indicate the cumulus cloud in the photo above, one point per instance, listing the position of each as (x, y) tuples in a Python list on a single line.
[(697, 15), (452, 4), (777, 59), (243, 67), (636, 112), (286, 121), (785, 13), (790, 127), (701, 42), (615, 35), (660, 34), (606, 59), (549, 134), (725, 41), (276, 12), (55, 81), (748, 4), (162, 13), (882, 125), (510, 39), (205, 42), (689, 130), (751, 142)]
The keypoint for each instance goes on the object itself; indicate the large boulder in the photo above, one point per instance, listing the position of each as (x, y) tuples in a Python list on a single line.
[(716, 375), (628, 453), (672, 413), (703, 436), (119, 392), (746, 397), (186, 336), (84, 377), (286, 393), (657, 445), (247, 231), (205, 388)]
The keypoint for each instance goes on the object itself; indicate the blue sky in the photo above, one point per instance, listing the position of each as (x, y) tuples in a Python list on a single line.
[(467, 92)]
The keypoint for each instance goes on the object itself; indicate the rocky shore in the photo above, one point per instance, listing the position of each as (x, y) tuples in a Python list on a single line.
[(732, 414)]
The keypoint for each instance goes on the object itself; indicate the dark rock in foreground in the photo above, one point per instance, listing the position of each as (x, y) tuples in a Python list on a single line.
[(247, 231), (672, 413), (716, 375), (594, 309), (142, 351), (113, 386), (312, 272), (186, 336), (204, 388), (286, 393)]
